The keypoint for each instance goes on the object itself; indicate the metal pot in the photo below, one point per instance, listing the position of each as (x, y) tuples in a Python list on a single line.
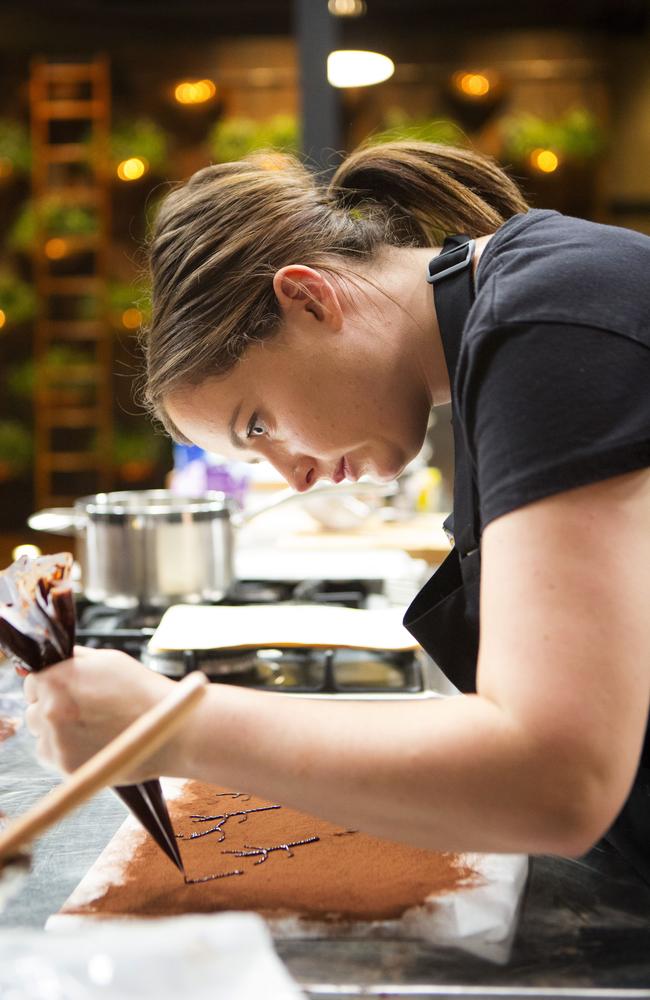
[(148, 548), (152, 548)]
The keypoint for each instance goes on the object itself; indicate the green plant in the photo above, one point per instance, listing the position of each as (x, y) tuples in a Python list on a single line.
[(16, 445), (59, 219), (280, 132), (575, 136), (17, 299), (398, 126), (141, 137), (62, 365), (233, 138), (123, 295), (14, 146)]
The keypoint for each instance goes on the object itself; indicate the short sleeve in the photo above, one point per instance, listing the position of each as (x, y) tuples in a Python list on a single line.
[(550, 407)]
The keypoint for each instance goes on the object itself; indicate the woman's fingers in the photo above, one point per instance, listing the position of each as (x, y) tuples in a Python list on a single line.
[(29, 688), (33, 719), (82, 651)]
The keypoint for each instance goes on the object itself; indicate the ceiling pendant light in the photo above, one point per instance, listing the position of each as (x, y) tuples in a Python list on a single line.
[(358, 68), (347, 8)]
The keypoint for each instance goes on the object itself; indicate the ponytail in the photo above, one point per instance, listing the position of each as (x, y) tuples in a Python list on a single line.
[(430, 191)]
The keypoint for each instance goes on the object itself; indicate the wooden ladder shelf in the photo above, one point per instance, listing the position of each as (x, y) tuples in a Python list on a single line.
[(73, 419)]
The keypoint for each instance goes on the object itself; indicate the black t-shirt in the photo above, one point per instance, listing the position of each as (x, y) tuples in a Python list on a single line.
[(552, 386), (553, 379)]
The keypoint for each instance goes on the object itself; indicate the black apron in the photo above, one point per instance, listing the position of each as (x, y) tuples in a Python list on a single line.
[(444, 616)]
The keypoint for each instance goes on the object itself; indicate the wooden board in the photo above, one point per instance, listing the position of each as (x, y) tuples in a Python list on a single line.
[(185, 626), (421, 536)]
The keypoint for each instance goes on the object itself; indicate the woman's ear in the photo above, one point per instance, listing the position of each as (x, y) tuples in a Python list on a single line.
[(302, 290)]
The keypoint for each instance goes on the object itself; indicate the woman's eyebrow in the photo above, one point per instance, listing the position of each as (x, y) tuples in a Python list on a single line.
[(235, 439)]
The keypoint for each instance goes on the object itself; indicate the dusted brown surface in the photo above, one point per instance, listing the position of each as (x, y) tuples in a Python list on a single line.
[(341, 875)]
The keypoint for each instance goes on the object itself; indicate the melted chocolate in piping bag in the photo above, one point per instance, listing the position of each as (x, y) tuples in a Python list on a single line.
[(37, 615), (37, 629)]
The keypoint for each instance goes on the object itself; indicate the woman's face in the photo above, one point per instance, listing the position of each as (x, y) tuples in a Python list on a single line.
[(330, 396)]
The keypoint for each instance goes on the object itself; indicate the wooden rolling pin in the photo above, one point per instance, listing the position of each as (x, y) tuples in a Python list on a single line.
[(142, 738)]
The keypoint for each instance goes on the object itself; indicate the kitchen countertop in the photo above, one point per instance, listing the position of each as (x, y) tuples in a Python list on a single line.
[(419, 535), (290, 529), (584, 924)]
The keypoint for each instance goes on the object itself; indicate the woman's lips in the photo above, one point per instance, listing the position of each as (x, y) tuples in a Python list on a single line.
[(344, 471), (348, 472)]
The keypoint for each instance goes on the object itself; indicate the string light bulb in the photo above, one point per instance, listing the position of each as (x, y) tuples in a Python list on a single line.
[(472, 85), (195, 92), (132, 169), (132, 319), (3, 318), (56, 248), (544, 160)]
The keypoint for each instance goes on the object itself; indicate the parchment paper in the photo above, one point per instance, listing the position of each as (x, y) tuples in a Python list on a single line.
[(480, 919)]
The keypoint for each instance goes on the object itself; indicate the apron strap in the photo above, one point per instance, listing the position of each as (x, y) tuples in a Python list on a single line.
[(451, 276)]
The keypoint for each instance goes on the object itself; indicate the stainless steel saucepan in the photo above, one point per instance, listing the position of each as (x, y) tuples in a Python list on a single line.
[(151, 548), (148, 548)]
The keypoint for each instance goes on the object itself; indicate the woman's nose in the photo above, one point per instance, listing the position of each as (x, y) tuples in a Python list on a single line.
[(299, 471), (303, 475)]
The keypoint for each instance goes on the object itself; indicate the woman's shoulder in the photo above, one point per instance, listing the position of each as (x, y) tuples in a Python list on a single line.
[(543, 266)]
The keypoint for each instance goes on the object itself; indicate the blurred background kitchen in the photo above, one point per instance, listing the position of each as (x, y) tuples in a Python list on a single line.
[(105, 103)]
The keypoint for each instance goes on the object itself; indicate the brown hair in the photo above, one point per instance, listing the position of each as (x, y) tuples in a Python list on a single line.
[(218, 240)]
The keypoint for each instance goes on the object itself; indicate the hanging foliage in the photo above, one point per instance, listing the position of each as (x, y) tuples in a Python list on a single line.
[(575, 136), (17, 300), (60, 218), (399, 126), (15, 151), (233, 138), (141, 138)]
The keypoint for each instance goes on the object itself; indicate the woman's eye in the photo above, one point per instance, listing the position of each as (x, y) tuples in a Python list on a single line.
[(255, 428)]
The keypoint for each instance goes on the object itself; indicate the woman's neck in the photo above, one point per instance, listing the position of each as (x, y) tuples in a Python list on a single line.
[(402, 274)]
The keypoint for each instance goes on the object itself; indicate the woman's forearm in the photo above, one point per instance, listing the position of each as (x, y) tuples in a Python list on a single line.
[(446, 774)]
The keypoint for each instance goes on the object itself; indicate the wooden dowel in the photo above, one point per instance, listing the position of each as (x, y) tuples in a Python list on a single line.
[(141, 739)]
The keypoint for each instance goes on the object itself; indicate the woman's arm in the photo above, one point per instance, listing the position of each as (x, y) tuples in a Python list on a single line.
[(540, 760)]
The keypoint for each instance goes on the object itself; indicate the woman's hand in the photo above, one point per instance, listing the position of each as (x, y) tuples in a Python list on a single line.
[(79, 705)]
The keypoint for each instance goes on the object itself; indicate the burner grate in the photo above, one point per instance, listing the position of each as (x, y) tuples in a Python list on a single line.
[(301, 671), (305, 671)]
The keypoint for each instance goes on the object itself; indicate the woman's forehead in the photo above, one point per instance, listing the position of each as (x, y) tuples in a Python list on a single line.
[(204, 411)]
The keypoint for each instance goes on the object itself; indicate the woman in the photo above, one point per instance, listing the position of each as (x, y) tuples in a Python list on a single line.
[(296, 324)]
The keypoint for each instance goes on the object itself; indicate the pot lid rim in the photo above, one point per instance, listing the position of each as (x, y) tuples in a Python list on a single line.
[(153, 503)]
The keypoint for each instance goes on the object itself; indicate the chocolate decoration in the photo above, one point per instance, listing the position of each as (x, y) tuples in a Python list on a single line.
[(263, 852), (343, 876), (210, 878), (223, 818)]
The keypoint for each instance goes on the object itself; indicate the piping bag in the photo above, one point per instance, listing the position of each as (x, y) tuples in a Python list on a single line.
[(37, 630)]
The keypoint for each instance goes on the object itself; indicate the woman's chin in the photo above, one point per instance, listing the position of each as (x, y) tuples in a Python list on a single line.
[(387, 474)]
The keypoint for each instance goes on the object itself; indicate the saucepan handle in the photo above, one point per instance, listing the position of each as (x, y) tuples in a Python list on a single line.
[(57, 520)]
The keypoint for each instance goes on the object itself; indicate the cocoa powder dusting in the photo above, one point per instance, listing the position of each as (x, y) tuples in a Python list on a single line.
[(311, 868)]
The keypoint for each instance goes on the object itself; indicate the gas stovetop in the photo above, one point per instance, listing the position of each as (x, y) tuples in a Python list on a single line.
[(350, 673)]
